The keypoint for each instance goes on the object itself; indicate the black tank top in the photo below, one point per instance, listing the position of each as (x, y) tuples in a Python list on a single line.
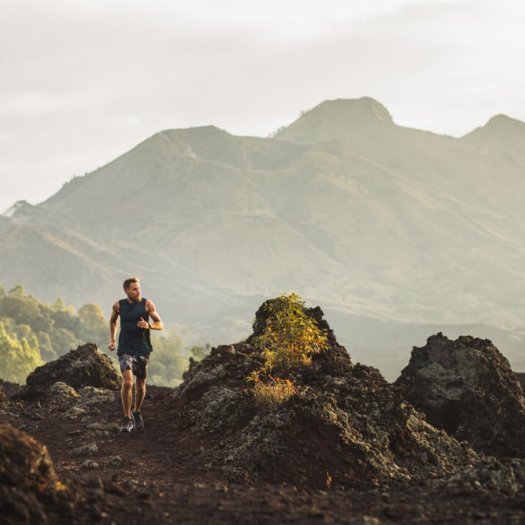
[(133, 340)]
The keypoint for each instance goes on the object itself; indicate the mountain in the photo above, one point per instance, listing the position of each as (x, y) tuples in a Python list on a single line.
[(500, 131), (374, 220)]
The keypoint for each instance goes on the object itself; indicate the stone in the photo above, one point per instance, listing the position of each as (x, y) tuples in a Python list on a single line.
[(345, 419), (116, 461), (28, 482), (85, 450), (9, 389), (61, 389), (85, 366), (364, 520), (75, 412), (467, 388), (90, 464), (110, 427)]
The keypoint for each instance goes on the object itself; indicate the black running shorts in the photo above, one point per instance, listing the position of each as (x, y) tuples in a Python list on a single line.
[(137, 364)]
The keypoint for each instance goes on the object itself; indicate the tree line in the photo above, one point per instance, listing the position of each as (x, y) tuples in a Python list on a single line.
[(33, 332)]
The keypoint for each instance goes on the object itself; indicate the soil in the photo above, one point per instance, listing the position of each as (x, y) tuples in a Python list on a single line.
[(164, 478), (347, 448)]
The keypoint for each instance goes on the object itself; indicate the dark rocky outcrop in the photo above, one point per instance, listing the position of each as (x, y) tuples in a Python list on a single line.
[(85, 366), (345, 426), (521, 378), (29, 486), (9, 389), (467, 388)]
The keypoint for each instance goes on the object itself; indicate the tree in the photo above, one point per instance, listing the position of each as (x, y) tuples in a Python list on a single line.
[(25, 310), (46, 348), (169, 363), (199, 352), (93, 325), (17, 358), (63, 341), (290, 336), (17, 290), (289, 339)]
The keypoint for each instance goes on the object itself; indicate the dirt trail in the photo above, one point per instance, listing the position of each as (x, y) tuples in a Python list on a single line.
[(163, 477)]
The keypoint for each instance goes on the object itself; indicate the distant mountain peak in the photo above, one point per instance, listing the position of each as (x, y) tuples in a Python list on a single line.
[(499, 127), (16, 208), (337, 120), (361, 108), (198, 130), (502, 120)]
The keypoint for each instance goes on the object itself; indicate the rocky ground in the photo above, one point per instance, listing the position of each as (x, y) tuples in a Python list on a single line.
[(347, 448)]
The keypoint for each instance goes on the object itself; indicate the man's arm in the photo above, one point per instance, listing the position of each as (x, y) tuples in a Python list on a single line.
[(157, 323), (113, 326)]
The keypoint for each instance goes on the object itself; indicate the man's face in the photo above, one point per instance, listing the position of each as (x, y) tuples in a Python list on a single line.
[(133, 292)]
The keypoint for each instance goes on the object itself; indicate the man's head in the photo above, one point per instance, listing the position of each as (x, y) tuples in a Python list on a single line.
[(132, 289)]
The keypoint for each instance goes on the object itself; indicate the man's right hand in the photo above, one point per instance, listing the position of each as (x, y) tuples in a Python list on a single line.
[(112, 346)]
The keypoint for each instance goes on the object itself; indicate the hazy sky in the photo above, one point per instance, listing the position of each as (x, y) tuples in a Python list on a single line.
[(83, 81)]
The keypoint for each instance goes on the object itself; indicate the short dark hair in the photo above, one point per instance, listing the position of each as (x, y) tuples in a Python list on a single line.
[(128, 282)]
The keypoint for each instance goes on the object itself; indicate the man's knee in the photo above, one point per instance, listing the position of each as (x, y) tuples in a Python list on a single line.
[(140, 384), (127, 380)]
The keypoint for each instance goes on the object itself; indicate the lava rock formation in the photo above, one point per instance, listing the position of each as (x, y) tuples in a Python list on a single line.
[(85, 366), (345, 425), (467, 388), (29, 486)]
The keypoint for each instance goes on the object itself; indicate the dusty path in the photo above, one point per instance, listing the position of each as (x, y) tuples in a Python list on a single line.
[(163, 477)]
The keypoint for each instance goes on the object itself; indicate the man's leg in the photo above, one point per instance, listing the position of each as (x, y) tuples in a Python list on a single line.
[(140, 392), (127, 392), (141, 371)]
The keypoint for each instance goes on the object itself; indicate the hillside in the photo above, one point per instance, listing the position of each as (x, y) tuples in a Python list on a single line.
[(344, 446), (345, 207)]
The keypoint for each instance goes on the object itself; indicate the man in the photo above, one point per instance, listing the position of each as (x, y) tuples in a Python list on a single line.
[(134, 348)]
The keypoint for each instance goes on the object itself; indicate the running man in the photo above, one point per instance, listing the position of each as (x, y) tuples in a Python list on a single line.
[(134, 348)]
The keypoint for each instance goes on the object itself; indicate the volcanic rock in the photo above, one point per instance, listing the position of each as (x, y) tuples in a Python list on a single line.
[(61, 389), (85, 366), (9, 389), (467, 388), (521, 379), (29, 486), (85, 450), (345, 425)]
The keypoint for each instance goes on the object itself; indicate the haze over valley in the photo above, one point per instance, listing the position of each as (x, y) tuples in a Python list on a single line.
[(395, 232)]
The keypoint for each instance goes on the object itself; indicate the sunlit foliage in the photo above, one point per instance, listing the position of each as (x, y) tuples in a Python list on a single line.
[(289, 340), (290, 336), (18, 358)]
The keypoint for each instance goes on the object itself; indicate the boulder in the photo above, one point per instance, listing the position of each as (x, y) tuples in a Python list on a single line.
[(467, 388), (29, 486), (9, 389), (345, 425), (61, 389), (85, 366)]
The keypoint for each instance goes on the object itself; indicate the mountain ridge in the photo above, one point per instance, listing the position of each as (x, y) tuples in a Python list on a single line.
[(399, 223)]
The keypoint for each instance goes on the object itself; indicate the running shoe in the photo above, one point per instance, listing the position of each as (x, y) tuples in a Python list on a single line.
[(126, 425), (138, 422)]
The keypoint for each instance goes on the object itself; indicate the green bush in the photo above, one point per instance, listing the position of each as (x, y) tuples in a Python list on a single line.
[(289, 340), (18, 358), (290, 336)]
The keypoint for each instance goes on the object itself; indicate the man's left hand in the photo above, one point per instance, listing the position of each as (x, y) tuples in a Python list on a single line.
[(143, 324)]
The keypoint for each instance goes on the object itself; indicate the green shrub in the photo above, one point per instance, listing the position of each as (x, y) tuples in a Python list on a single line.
[(290, 336), (289, 340)]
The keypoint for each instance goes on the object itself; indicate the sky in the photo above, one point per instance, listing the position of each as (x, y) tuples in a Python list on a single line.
[(84, 81)]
